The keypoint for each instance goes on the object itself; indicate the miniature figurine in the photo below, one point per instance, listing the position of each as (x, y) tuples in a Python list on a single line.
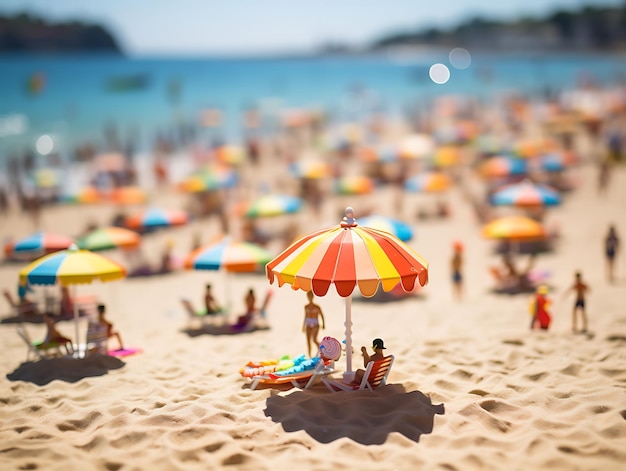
[(311, 324), (539, 308), (580, 288), (378, 346), (349, 219), (611, 247), (457, 270)]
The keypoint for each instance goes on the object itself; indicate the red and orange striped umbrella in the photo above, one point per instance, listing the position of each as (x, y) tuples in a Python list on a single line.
[(347, 256)]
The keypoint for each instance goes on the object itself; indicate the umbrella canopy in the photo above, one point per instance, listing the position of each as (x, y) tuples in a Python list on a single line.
[(416, 146), (348, 256), (156, 217), (400, 229), (106, 238), (447, 156), (87, 195), (230, 255), (125, 195), (71, 267), (515, 228), (354, 185), (310, 168), (503, 166), (230, 155), (430, 182), (381, 154), (526, 194), (556, 161), (208, 179), (37, 245), (273, 205)]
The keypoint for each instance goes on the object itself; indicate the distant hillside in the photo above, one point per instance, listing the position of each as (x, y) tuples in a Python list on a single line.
[(25, 33), (590, 28)]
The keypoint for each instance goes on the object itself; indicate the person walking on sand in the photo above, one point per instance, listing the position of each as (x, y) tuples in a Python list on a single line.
[(311, 324), (456, 264), (581, 289), (611, 247)]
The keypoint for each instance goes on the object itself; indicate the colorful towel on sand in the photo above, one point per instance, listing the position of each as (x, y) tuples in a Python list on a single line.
[(124, 352)]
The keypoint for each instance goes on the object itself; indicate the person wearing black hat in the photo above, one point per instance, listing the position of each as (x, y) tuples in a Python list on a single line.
[(378, 346)]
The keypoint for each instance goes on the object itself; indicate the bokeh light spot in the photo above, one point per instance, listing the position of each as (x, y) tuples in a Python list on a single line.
[(44, 144), (460, 58), (439, 73)]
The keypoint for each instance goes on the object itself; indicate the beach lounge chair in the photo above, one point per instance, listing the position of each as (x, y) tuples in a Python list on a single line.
[(39, 350), (375, 375), (302, 380), (17, 309), (97, 339)]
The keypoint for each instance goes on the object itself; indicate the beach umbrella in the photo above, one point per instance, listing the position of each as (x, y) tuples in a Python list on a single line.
[(348, 256), (310, 168), (228, 255), (429, 182), (400, 229), (69, 268), (46, 178), (37, 245), (447, 156), (86, 195), (354, 185), (273, 205), (156, 217), (557, 161), (514, 228), (380, 154), (503, 166), (105, 238), (208, 179), (125, 195), (526, 194), (229, 154)]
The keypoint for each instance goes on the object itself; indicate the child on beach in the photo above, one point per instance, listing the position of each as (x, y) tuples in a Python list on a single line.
[(580, 288), (311, 324)]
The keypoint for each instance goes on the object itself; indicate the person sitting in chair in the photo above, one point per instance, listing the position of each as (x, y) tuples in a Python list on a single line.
[(54, 337), (251, 310), (103, 321), (378, 346)]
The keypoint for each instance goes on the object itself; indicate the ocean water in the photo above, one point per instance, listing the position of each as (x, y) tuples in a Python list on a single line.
[(72, 99)]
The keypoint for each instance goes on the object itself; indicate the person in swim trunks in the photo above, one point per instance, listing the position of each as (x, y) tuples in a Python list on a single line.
[(311, 324), (581, 289), (611, 247)]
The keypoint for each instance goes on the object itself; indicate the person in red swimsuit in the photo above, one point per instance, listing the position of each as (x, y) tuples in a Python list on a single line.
[(541, 303)]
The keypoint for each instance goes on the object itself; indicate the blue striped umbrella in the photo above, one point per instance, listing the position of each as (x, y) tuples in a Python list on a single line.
[(526, 193)]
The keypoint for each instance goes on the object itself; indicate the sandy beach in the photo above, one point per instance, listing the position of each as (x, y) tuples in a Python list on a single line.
[(472, 388)]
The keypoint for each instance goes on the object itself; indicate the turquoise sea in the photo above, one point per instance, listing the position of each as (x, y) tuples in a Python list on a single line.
[(75, 98)]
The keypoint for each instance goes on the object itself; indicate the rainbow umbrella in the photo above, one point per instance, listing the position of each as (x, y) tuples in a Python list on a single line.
[(400, 229), (557, 161), (354, 185), (106, 238), (431, 182), (125, 195), (515, 228), (71, 267), (209, 179), (273, 205), (87, 195), (347, 256), (156, 217), (230, 155), (526, 194), (37, 245), (503, 166)]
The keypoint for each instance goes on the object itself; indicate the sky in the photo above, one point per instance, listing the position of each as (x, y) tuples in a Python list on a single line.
[(189, 27)]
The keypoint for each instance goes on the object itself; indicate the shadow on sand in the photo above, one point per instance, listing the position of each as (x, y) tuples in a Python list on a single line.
[(364, 416), (69, 370), (222, 330)]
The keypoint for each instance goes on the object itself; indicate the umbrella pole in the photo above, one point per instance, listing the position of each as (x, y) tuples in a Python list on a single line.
[(75, 307), (348, 325)]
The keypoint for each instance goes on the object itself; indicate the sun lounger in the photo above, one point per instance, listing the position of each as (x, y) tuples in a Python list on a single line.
[(302, 380), (375, 375), (39, 350)]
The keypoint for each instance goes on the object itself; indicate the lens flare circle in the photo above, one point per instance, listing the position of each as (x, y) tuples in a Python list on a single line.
[(439, 73), (460, 58), (44, 144)]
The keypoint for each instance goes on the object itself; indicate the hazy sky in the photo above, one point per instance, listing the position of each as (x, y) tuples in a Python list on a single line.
[(240, 26)]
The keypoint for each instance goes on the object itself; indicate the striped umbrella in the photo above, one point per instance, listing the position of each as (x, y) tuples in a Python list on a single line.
[(348, 256), (230, 155), (447, 156), (37, 245), (557, 161), (381, 154), (125, 195), (106, 238), (430, 182), (400, 229), (514, 228), (87, 195), (208, 179), (503, 166), (71, 267), (526, 194), (273, 205), (354, 185), (310, 168), (156, 217)]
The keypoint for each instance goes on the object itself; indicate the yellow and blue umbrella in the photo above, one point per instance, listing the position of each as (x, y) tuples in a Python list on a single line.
[(156, 217), (209, 178), (71, 267), (347, 256), (310, 168), (273, 205), (503, 166), (229, 255), (354, 185), (428, 182), (400, 229)]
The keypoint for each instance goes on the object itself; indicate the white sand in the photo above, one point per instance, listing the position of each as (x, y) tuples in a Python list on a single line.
[(472, 388)]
